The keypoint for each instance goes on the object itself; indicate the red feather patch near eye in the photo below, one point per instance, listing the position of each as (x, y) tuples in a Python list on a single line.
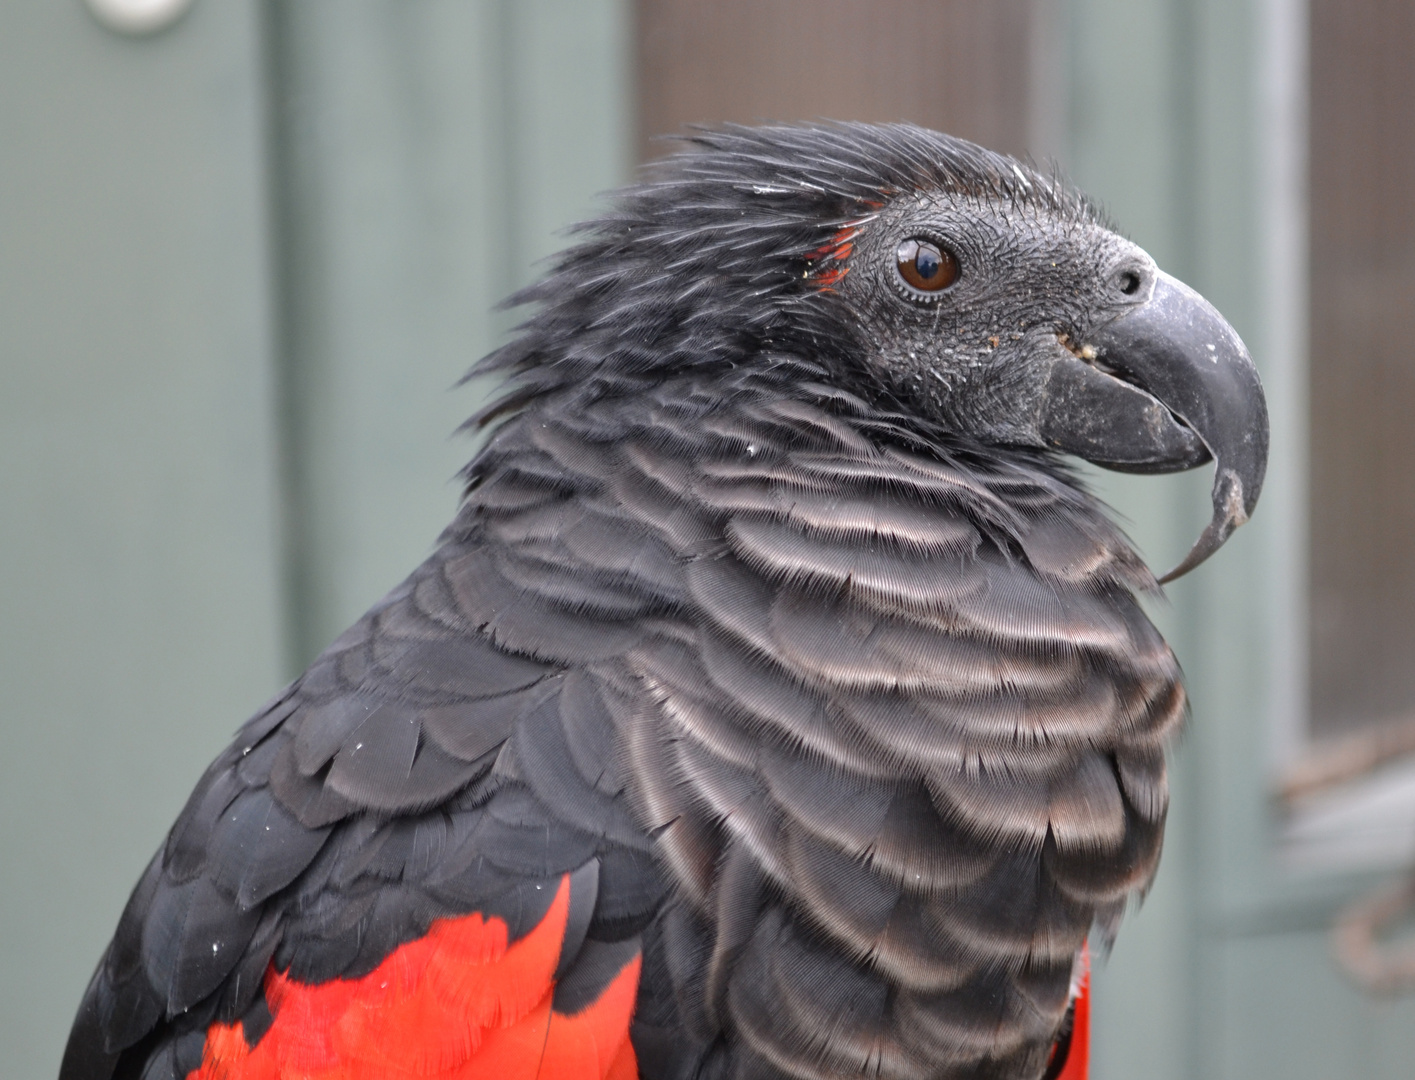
[(830, 259), (458, 1003)]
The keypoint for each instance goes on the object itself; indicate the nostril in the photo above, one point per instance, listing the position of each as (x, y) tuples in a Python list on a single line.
[(1129, 282)]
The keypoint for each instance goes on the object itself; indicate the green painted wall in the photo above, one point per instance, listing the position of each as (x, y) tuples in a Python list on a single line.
[(139, 600), (428, 155)]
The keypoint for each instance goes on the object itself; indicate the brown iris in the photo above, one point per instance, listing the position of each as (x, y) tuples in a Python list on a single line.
[(926, 266)]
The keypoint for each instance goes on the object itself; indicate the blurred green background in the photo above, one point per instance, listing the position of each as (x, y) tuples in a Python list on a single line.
[(243, 261)]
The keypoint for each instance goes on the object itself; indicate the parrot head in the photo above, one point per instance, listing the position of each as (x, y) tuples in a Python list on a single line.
[(983, 300), (1024, 323)]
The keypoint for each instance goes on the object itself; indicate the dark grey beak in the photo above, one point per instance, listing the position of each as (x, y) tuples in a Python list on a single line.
[(1171, 386)]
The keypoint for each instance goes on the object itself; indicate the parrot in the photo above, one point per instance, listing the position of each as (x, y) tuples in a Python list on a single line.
[(779, 701)]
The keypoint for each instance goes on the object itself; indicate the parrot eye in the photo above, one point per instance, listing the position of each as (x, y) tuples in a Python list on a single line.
[(925, 266)]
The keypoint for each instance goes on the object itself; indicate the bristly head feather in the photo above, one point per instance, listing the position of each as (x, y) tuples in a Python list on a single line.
[(725, 249)]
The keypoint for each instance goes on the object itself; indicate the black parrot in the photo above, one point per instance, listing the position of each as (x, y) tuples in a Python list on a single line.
[(777, 704)]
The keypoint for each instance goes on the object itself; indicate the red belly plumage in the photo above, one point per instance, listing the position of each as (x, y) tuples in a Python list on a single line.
[(458, 1003)]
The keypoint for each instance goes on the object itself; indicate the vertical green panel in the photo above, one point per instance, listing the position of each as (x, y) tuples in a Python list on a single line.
[(389, 171), (137, 506), (1229, 671), (1124, 125), (431, 152), (570, 118)]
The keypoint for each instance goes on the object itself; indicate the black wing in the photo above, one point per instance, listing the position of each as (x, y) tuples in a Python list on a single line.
[(415, 771)]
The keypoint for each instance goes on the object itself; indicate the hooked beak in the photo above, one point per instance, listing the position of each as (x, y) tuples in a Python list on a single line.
[(1171, 387)]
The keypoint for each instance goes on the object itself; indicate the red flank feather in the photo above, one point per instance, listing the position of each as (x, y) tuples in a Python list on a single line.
[(1078, 1046)]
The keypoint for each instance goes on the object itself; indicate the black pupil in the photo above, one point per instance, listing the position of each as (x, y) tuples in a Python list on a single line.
[(927, 262)]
